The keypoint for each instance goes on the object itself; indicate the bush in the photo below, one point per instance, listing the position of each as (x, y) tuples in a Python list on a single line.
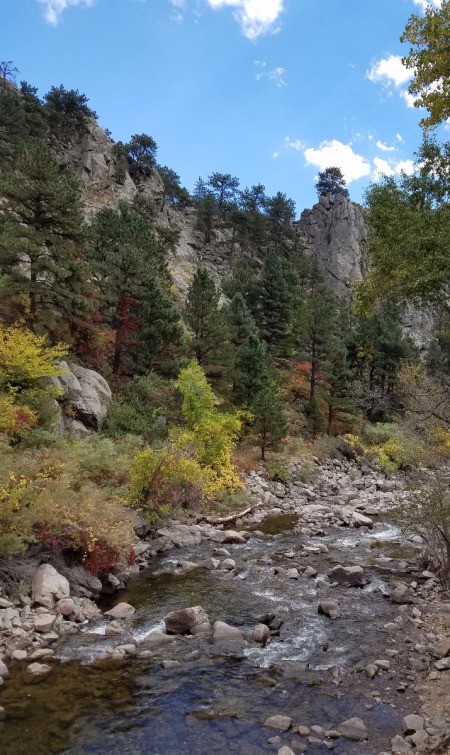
[(278, 472), (428, 515), (379, 433)]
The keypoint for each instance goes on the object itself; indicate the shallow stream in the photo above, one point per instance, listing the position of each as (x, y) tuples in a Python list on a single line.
[(216, 697)]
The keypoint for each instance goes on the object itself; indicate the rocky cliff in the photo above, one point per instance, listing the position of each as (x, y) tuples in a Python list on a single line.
[(334, 234)]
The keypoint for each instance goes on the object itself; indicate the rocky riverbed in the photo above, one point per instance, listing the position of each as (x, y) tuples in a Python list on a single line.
[(310, 626)]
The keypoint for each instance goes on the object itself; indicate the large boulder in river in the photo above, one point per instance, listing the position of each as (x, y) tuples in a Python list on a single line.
[(223, 631), (186, 621), (352, 576), (49, 585)]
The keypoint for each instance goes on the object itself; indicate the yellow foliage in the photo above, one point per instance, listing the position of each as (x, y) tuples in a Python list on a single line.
[(25, 357), (15, 421)]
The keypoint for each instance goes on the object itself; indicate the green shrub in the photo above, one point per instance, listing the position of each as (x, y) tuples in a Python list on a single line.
[(278, 472), (143, 407), (379, 433)]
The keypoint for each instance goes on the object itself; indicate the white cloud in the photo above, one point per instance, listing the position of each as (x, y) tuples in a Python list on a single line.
[(54, 8), (423, 4), (275, 155), (399, 137), (389, 71), (407, 97), (296, 144), (277, 75), (385, 147), (335, 153), (255, 17), (390, 168)]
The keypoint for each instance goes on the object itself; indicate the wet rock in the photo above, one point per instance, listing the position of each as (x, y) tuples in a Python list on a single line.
[(35, 672), (401, 594), (261, 634), (329, 608), (228, 564), (354, 729), (231, 536), (48, 585), (400, 745), (113, 629), (121, 611), (310, 572), (304, 731), (355, 518), (19, 655), (292, 574), (156, 639), (3, 670), (285, 750), (383, 664), (170, 664), (420, 739), (348, 575), (37, 655), (223, 631), (185, 620), (280, 723), (412, 723), (371, 670)]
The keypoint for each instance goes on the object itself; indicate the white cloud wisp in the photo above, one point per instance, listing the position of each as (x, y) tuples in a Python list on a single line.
[(336, 153), (54, 8), (255, 17)]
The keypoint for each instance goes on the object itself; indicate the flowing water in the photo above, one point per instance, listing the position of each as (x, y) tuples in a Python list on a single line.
[(216, 697)]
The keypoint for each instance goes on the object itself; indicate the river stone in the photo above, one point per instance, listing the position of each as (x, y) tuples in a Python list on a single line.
[(19, 655), (310, 572), (223, 631), (348, 575), (184, 620), (420, 739), (399, 745), (156, 639), (66, 606), (89, 584), (329, 608), (354, 729), (48, 585), (285, 750), (443, 664), (280, 723), (401, 594), (43, 623), (35, 672), (292, 574), (231, 536), (261, 633), (3, 670), (412, 723), (114, 628), (441, 649), (121, 611), (228, 564), (383, 664)]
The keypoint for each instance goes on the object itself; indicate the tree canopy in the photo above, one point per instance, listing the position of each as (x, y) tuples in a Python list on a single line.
[(331, 181)]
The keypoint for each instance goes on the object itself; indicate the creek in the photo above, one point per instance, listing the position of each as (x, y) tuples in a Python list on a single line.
[(214, 697)]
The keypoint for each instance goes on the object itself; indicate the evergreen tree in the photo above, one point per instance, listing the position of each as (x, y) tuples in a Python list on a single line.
[(253, 203), (42, 242), (240, 322), (269, 425), (316, 329), (159, 334), (224, 189), (280, 212), (204, 318), (339, 392), (313, 414), (173, 192), (67, 110), (206, 207), (251, 371), (127, 255), (275, 304), (331, 181)]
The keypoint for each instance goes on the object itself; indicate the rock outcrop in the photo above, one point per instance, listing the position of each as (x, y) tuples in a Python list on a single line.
[(335, 232), (84, 400)]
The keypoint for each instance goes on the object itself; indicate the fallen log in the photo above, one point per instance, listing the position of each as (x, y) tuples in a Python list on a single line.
[(231, 517)]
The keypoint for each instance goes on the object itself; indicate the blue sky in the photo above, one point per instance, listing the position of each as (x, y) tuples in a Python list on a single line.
[(268, 90)]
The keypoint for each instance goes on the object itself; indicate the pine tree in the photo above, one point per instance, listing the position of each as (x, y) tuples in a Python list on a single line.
[(316, 329), (240, 322), (206, 210), (269, 425), (275, 304), (313, 414), (159, 334), (126, 254), (204, 318), (339, 391), (251, 371), (42, 242), (331, 181)]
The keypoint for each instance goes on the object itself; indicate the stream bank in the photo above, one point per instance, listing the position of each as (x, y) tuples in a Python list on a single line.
[(124, 685)]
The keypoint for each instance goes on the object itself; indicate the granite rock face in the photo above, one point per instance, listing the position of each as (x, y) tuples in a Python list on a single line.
[(335, 232), (84, 401)]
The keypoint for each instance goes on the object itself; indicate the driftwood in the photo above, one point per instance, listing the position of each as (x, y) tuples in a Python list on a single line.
[(232, 517)]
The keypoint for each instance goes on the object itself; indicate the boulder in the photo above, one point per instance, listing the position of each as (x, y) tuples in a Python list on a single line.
[(279, 723), (261, 634), (186, 620), (231, 536), (3, 670), (329, 608), (400, 745), (401, 594), (86, 395), (354, 729), (412, 723), (48, 585), (65, 607), (35, 672), (352, 576), (90, 585), (44, 623), (121, 611), (223, 631)]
